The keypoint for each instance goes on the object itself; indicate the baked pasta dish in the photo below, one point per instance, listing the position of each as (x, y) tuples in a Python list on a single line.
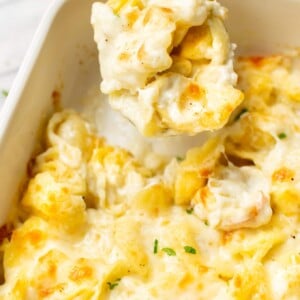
[(221, 222), (169, 61)]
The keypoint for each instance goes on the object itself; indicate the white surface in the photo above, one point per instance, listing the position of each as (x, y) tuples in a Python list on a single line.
[(18, 22)]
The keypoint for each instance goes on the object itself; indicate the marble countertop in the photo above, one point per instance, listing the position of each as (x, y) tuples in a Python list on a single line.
[(18, 22)]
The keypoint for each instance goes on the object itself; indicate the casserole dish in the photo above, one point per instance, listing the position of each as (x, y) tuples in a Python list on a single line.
[(61, 68)]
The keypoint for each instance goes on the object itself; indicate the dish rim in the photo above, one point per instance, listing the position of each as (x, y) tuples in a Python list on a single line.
[(11, 102)]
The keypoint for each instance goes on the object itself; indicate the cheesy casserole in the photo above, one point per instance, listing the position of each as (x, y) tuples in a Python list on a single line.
[(170, 62), (221, 223)]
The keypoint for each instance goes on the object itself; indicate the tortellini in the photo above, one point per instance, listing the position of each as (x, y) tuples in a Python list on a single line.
[(167, 66), (235, 198), (220, 222)]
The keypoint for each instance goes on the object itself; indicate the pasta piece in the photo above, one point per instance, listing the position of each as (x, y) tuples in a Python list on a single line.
[(193, 172), (235, 198), (167, 66), (53, 201)]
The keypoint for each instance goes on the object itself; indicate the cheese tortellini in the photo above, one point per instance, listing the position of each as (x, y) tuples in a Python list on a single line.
[(167, 66), (234, 198), (221, 222)]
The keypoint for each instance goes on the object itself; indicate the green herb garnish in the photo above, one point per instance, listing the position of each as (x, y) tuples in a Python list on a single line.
[(169, 251), (282, 135), (4, 93), (206, 222), (189, 210), (155, 248), (189, 249), (112, 285), (238, 116)]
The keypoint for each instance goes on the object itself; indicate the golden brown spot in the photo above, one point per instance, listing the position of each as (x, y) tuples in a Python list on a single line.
[(203, 269), (194, 91), (35, 237), (166, 10), (253, 213), (226, 237), (258, 61), (283, 175), (80, 273), (132, 16), (205, 172), (124, 56), (209, 120), (270, 61), (185, 281), (52, 269), (47, 291), (191, 94), (142, 54), (65, 190), (237, 281), (228, 109), (203, 195)]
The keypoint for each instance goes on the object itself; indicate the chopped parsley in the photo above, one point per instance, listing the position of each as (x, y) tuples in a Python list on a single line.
[(112, 285), (4, 93), (189, 210), (282, 135), (206, 222), (179, 158), (238, 116), (169, 251), (189, 249), (155, 248)]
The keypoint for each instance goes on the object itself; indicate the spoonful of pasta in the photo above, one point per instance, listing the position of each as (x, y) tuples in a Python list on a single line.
[(167, 66)]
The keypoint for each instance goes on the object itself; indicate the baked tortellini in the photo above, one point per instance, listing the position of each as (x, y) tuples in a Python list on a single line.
[(219, 222), (167, 66), (235, 197)]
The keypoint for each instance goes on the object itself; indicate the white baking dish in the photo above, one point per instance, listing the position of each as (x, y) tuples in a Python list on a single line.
[(62, 62)]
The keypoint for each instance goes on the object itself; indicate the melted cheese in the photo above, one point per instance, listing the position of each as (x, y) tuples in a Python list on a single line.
[(235, 198), (222, 222), (169, 61)]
